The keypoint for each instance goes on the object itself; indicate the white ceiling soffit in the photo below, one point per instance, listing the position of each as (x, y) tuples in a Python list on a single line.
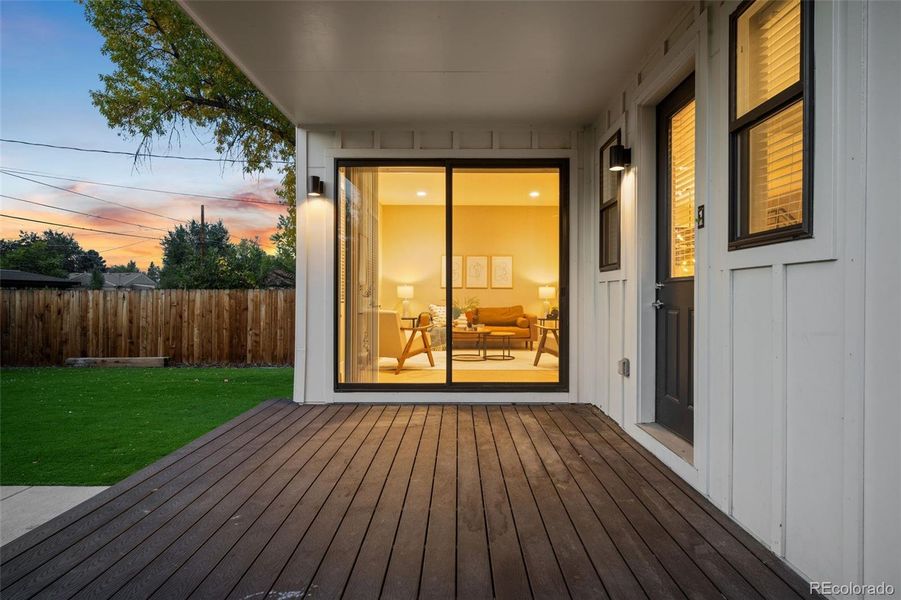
[(399, 63)]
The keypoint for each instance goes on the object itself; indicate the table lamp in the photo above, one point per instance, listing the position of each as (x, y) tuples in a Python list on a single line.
[(405, 292), (547, 293)]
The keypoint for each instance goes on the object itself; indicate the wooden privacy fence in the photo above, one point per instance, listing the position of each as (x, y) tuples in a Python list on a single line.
[(45, 327)]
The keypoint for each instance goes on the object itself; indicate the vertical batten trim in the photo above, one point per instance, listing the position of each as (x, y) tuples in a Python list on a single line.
[(780, 415), (301, 266)]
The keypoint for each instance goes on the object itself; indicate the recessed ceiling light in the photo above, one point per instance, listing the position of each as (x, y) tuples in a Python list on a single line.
[(421, 193), (534, 194)]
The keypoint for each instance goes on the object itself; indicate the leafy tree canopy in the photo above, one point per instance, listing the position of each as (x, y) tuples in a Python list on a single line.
[(50, 253), (130, 267), (220, 265), (170, 77)]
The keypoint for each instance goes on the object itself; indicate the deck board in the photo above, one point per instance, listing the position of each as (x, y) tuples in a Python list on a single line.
[(399, 501)]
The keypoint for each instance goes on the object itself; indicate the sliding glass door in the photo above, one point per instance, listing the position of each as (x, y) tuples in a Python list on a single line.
[(451, 274)]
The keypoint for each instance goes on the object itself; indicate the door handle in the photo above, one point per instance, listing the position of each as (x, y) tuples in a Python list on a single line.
[(658, 286), (657, 304)]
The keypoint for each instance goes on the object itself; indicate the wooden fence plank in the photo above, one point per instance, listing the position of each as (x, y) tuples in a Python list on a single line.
[(45, 327)]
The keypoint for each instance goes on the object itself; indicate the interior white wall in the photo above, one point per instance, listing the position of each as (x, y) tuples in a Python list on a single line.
[(318, 151), (797, 344)]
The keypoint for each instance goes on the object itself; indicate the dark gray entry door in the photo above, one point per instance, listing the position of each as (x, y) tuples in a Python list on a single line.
[(676, 260)]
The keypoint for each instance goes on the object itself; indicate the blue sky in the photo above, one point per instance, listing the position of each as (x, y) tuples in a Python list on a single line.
[(50, 59)]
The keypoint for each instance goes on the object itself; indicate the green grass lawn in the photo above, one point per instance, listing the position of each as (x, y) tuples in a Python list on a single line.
[(66, 426)]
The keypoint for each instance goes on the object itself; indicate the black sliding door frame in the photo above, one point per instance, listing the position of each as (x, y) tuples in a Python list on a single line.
[(449, 165)]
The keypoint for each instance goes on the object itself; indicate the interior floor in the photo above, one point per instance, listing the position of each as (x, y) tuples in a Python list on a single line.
[(521, 369)]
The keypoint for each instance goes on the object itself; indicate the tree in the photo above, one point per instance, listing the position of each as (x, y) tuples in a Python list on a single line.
[(50, 253), (170, 77), (96, 279), (131, 267), (153, 272), (186, 267)]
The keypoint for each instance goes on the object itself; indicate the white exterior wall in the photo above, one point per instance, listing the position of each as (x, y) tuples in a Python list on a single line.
[(317, 152), (797, 344)]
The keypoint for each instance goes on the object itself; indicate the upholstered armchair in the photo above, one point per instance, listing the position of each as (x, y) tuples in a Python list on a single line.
[(393, 340)]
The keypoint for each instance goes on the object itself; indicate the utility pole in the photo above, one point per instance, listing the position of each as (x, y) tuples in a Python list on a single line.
[(202, 233)]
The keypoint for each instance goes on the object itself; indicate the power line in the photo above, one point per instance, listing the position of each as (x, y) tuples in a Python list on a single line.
[(120, 247), (78, 212), (56, 187), (141, 189), (135, 154), (134, 235)]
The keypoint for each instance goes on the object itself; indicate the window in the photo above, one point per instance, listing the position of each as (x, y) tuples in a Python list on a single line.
[(770, 127), (451, 274), (609, 215)]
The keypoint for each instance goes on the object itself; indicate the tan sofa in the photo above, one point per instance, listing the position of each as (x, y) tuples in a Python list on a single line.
[(522, 325)]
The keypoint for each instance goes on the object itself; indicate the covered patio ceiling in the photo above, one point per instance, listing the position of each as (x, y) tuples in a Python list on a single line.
[(401, 63)]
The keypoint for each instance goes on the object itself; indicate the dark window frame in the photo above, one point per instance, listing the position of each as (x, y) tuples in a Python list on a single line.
[(739, 131), (562, 383), (603, 266)]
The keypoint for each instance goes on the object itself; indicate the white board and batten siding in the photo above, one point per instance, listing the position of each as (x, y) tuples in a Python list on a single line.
[(318, 149), (798, 358)]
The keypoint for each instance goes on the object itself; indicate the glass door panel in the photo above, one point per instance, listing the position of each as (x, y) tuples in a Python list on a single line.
[(682, 192), (391, 243), (506, 275)]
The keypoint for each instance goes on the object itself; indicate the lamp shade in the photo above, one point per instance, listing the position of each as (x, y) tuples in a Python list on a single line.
[(547, 292), (405, 291)]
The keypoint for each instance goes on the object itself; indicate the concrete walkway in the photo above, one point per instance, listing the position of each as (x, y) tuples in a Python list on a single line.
[(23, 507)]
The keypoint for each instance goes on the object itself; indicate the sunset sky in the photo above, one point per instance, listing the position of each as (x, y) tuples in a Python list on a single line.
[(49, 61)]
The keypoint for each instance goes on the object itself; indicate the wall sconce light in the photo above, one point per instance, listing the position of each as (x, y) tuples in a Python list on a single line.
[(620, 157), (317, 187)]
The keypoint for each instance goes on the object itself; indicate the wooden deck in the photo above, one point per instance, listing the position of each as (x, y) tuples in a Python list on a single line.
[(363, 501)]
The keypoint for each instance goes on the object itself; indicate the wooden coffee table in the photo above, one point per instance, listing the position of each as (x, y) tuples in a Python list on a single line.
[(468, 335), (505, 337)]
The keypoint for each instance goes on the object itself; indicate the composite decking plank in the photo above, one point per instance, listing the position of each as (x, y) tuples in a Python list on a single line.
[(330, 578), (576, 563), (179, 580), (204, 516), (623, 560), (367, 571), (723, 575), (30, 539), (440, 556), (192, 501), (405, 565), (66, 555), (473, 559), (765, 581), (219, 581), (258, 578), (223, 525), (623, 513), (508, 568), (767, 557), (542, 563), (298, 572), (401, 501)]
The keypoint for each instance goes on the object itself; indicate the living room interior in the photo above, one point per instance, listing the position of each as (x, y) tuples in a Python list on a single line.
[(503, 273)]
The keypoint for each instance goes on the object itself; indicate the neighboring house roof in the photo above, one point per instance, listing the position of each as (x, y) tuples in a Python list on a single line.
[(11, 278), (117, 281)]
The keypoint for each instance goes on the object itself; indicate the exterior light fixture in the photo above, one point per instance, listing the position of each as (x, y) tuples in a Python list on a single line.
[(620, 157), (317, 187)]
